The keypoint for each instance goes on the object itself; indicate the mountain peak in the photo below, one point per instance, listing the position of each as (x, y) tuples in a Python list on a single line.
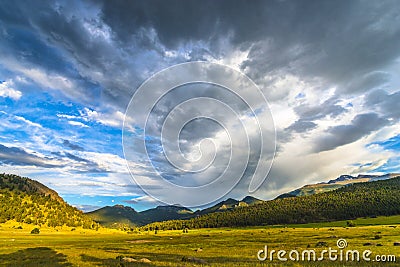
[(122, 207), (251, 200), (341, 178), (230, 201)]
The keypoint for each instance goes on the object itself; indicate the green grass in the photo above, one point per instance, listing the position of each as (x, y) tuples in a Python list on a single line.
[(219, 247), (381, 220)]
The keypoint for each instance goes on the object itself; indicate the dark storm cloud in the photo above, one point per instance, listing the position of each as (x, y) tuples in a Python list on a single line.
[(301, 126), (367, 82), (52, 37), (384, 102), (81, 165), (18, 156), (28, 32), (72, 146), (338, 41), (308, 114), (312, 39), (174, 21), (362, 125), (177, 22), (330, 107)]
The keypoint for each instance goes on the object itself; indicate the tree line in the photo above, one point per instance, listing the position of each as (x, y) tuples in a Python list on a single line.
[(357, 200)]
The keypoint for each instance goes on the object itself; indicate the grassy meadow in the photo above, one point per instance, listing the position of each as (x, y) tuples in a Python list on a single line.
[(66, 246)]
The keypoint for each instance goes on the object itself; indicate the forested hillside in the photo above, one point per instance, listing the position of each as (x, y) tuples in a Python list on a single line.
[(349, 202), (28, 201), (119, 216), (337, 183)]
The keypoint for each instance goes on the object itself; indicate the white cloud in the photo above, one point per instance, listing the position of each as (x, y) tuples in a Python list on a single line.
[(46, 79), (296, 165), (53, 81), (77, 123), (66, 116), (113, 163), (114, 119), (30, 123), (144, 198), (6, 90)]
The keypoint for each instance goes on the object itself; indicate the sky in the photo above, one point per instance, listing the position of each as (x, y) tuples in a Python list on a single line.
[(327, 71)]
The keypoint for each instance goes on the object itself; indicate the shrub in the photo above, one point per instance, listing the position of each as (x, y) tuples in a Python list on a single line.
[(351, 224), (35, 231)]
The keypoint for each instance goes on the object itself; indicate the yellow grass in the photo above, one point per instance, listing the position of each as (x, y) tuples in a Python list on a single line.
[(218, 247)]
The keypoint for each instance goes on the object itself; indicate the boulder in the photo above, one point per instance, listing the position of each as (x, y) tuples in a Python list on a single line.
[(128, 259), (145, 260)]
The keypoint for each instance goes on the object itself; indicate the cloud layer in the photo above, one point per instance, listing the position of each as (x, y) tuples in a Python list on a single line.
[(329, 70)]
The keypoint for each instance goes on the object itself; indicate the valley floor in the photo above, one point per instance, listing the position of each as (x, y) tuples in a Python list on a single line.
[(215, 247)]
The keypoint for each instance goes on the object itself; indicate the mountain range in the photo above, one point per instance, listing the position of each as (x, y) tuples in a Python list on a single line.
[(119, 215), (26, 200), (355, 200)]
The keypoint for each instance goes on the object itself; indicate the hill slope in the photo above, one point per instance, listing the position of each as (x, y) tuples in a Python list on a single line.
[(29, 186), (29, 201), (337, 183), (349, 202), (117, 216)]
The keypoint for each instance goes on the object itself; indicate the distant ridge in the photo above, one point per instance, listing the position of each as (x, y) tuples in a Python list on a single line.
[(119, 216), (368, 177), (337, 183)]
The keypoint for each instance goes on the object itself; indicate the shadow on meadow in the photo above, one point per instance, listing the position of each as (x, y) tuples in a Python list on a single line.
[(111, 262), (171, 259), (40, 256)]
